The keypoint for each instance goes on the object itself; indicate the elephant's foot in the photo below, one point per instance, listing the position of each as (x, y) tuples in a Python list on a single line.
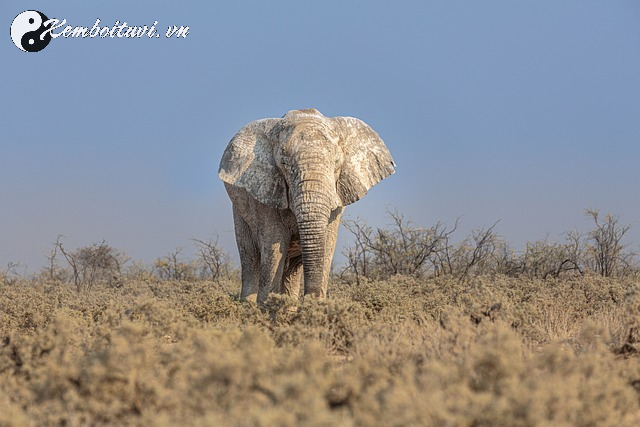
[(318, 296), (251, 298)]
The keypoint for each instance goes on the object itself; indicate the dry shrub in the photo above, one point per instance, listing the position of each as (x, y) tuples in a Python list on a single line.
[(405, 248), (404, 351)]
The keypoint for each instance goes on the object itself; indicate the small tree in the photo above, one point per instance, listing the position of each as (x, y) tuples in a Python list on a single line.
[(98, 263), (605, 251), (406, 248), (543, 259), (482, 252), (212, 261), (359, 254), (52, 271), (173, 267), (10, 274), (401, 248)]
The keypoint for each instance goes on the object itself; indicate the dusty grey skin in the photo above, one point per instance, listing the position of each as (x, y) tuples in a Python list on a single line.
[(288, 180)]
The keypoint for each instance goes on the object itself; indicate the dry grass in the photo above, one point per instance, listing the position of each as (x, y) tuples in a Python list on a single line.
[(402, 352)]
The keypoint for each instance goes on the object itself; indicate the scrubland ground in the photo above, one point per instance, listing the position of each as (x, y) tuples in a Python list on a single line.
[(495, 351)]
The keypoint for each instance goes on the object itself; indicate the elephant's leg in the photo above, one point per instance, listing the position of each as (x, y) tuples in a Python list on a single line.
[(292, 277), (293, 268), (330, 245), (249, 258), (272, 260)]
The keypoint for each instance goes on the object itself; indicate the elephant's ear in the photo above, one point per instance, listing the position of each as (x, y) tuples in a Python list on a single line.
[(248, 163), (367, 160)]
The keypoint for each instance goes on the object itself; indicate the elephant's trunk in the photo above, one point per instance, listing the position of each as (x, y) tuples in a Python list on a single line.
[(312, 206)]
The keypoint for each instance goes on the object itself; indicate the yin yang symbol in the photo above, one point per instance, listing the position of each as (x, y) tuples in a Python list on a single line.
[(26, 30)]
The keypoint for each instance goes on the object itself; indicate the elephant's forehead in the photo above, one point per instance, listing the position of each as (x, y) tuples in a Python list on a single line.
[(309, 129), (309, 141)]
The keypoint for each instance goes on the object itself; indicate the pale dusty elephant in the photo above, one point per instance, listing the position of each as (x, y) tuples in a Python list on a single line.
[(288, 180)]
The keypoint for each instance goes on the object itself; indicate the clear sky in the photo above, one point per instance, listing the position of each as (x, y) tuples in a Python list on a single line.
[(527, 112)]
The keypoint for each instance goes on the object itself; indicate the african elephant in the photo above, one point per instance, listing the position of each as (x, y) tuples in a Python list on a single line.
[(288, 180)]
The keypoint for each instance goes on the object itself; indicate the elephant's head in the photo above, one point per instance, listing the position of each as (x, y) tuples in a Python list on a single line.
[(310, 164)]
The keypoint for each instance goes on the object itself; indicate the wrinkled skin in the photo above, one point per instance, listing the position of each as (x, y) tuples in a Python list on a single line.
[(288, 180)]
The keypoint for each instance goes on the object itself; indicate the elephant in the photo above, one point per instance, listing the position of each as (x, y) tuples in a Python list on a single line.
[(288, 180)]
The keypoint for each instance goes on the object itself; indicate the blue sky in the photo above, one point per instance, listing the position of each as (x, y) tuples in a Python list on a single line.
[(527, 112)]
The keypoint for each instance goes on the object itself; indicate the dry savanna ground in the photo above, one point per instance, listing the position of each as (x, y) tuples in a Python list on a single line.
[(492, 351)]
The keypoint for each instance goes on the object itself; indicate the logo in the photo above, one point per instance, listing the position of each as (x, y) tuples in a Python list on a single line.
[(27, 29), (31, 31)]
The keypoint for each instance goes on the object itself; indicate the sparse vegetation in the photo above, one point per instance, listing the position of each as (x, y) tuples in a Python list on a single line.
[(210, 263), (404, 248), (404, 351), (461, 334)]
